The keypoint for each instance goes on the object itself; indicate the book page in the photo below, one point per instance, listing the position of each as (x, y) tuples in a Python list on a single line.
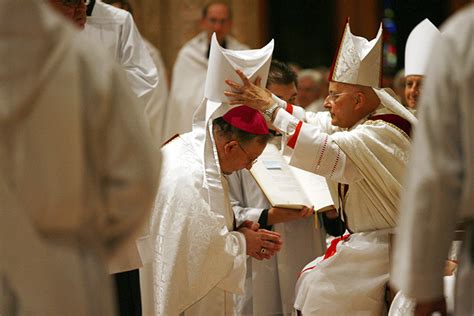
[(315, 188), (277, 181)]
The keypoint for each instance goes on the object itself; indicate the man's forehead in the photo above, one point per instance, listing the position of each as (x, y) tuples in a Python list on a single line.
[(217, 9), (341, 86), (414, 77)]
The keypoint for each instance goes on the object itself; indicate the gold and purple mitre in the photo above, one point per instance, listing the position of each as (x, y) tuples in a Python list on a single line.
[(358, 60), (418, 47)]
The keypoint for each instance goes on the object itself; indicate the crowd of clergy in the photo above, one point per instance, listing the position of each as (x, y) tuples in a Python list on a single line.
[(121, 194)]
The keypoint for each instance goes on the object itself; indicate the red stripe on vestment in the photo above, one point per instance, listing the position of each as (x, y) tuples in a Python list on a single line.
[(329, 252), (289, 108), (292, 141)]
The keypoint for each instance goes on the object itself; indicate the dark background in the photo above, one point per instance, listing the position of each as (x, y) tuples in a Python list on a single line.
[(306, 33)]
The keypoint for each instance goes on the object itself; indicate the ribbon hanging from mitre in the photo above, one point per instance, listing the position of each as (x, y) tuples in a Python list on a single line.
[(418, 47), (358, 60), (222, 65)]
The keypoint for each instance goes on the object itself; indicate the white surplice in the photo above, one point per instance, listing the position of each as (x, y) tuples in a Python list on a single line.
[(76, 161), (155, 108), (115, 30), (440, 188), (187, 83), (371, 158)]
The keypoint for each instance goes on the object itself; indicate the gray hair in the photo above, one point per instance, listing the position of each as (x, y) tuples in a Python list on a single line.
[(315, 75)]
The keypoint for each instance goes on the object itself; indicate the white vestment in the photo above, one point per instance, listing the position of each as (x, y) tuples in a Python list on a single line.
[(440, 187), (155, 108), (371, 159), (187, 83), (115, 30), (76, 161), (198, 259), (269, 285)]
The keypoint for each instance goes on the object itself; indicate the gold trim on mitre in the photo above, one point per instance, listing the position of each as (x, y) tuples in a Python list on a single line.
[(358, 60)]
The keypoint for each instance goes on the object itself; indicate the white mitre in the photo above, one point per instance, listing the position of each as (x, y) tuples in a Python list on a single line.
[(222, 65), (358, 61), (418, 47)]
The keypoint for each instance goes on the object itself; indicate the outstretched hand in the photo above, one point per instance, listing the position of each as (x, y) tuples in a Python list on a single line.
[(281, 215), (249, 93), (251, 225)]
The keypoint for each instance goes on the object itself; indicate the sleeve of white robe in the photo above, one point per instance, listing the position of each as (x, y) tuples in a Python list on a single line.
[(136, 61), (128, 165), (237, 191), (315, 151), (235, 245), (435, 189), (155, 108)]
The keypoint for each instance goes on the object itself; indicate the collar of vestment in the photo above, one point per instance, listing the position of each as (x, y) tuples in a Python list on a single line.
[(90, 7)]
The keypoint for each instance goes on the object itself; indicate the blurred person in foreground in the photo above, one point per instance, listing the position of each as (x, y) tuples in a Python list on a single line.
[(440, 188), (78, 167), (115, 31)]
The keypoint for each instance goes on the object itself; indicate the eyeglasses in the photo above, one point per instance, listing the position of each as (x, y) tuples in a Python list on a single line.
[(251, 161), (332, 97)]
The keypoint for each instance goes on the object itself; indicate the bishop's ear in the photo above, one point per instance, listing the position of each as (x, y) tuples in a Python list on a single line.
[(360, 99), (231, 146)]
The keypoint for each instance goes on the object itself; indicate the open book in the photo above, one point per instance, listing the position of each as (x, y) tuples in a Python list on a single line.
[(287, 186)]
